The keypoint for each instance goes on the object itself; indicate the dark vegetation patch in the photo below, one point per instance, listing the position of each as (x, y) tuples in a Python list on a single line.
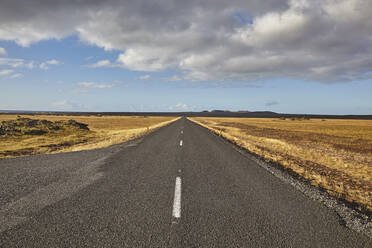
[(34, 132), (27, 126)]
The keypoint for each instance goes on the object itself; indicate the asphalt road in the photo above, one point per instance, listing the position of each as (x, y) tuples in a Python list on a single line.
[(127, 196)]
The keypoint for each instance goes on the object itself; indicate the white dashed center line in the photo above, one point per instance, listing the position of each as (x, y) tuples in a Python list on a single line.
[(176, 213), (182, 131), (181, 143)]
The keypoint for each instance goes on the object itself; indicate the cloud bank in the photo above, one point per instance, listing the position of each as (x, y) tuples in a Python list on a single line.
[(317, 40)]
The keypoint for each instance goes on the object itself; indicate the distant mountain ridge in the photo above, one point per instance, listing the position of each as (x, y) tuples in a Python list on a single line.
[(205, 113)]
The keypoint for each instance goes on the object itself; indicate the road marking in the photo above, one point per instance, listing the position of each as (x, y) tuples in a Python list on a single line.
[(182, 131), (176, 213), (181, 143), (179, 171)]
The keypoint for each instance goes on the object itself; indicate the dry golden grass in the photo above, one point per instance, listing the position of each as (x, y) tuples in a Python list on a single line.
[(333, 154), (104, 131)]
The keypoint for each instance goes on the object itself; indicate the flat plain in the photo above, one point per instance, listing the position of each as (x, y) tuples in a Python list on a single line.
[(332, 154), (103, 131)]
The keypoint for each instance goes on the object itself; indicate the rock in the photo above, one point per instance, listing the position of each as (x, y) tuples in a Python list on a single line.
[(54, 128), (30, 123), (78, 124), (34, 132)]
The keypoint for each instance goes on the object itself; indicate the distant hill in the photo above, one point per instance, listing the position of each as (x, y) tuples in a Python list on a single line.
[(205, 113), (220, 111)]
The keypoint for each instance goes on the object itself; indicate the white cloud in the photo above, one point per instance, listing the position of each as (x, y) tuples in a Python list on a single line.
[(6, 72), (43, 66), (16, 63), (11, 62), (80, 91), (94, 85), (17, 75), (3, 51), (53, 62), (30, 65), (173, 78), (322, 40), (61, 103), (144, 77), (67, 105), (101, 63), (144, 59), (179, 107)]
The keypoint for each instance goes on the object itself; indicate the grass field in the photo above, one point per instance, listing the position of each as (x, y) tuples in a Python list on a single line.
[(104, 131), (333, 154)]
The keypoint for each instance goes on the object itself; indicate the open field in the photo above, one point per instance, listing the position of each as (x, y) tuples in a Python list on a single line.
[(103, 131), (333, 154)]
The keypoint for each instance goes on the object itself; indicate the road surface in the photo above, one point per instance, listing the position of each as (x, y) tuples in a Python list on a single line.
[(180, 186)]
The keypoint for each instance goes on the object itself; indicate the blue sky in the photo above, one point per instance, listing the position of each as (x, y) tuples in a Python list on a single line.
[(84, 68)]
